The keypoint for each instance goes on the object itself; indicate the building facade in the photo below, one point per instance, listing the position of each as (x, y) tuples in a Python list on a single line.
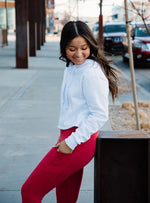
[(118, 12), (7, 14)]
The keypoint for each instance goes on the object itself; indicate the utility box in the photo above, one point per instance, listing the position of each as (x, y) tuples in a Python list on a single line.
[(122, 167)]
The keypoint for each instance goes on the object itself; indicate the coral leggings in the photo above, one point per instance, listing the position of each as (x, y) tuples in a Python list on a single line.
[(63, 171)]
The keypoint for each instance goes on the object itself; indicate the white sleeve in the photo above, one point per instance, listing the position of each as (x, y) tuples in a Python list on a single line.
[(95, 90)]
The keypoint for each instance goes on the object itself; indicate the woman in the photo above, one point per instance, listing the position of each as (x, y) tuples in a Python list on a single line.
[(88, 77)]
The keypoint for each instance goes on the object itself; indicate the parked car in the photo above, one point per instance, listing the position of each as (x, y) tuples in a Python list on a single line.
[(140, 44), (113, 36), (113, 33)]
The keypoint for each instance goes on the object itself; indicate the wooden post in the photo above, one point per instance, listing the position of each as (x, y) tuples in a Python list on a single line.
[(22, 38), (131, 65)]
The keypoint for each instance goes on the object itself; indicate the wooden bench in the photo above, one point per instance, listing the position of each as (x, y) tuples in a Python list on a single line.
[(122, 167)]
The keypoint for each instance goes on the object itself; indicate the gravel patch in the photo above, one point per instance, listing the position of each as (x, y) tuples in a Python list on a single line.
[(122, 117)]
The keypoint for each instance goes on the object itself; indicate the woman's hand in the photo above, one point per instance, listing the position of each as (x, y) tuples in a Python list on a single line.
[(63, 148)]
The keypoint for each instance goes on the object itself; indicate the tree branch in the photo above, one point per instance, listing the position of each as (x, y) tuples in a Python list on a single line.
[(141, 15)]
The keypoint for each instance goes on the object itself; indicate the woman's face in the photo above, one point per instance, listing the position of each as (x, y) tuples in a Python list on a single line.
[(78, 50)]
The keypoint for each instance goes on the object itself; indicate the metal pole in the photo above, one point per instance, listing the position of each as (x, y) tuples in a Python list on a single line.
[(101, 26), (131, 66)]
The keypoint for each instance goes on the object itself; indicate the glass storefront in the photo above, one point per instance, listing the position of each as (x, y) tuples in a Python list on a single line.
[(10, 17), (2, 18)]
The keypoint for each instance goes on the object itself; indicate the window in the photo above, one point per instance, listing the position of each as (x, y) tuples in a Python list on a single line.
[(141, 32), (114, 28)]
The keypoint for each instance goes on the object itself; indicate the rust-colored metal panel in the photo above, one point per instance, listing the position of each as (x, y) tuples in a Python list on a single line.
[(121, 167), (41, 21), (38, 20), (22, 37), (32, 27), (44, 20)]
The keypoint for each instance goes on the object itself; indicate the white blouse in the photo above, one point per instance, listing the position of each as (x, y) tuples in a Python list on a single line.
[(84, 101)]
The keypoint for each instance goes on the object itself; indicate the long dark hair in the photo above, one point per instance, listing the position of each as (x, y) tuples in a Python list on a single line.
[(78, 28)]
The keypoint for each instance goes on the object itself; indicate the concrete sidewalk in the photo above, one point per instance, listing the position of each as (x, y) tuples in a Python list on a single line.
[(29, 109)]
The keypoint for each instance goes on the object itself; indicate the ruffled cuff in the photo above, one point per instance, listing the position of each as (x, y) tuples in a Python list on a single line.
[(71, 142)]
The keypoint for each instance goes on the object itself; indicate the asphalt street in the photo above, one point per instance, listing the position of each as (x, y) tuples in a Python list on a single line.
[(142, 72)]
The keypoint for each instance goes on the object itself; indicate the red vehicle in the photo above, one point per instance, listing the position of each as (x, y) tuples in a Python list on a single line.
[(140, 44)]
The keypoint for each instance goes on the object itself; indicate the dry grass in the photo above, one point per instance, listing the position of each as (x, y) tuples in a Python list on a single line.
[(123, 117)]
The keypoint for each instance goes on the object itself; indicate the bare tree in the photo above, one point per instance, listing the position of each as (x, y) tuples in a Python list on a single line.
[(140, 12)]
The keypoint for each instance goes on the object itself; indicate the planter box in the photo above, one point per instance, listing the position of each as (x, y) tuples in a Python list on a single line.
[(122, 167)]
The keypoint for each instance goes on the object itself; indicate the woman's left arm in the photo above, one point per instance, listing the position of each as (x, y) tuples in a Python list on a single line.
[(96, 91)]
